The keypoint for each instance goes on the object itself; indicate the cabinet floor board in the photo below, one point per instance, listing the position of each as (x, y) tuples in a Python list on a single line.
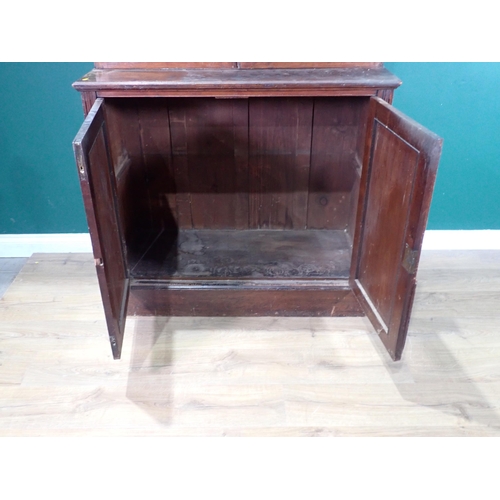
[(247, 254)]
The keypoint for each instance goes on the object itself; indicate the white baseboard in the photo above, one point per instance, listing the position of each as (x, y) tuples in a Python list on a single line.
[(462, 240), (24, 245)]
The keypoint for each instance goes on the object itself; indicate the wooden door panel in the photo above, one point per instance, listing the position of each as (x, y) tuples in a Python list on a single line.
[(399, 170), (97, 181)]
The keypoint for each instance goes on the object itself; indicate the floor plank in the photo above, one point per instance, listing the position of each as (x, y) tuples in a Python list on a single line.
[(9, 268), (249, 376)]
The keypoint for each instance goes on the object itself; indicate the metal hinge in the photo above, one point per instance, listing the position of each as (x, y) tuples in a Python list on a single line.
[(410, 260)]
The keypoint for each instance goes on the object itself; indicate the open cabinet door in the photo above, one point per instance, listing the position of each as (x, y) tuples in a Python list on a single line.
[(397, 180), (97, 181)]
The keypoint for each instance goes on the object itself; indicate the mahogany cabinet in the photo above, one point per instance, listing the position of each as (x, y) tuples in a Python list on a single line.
[(254, 189)]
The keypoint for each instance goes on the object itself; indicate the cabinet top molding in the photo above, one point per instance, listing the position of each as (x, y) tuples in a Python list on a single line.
[(350, 80), (234, 65)]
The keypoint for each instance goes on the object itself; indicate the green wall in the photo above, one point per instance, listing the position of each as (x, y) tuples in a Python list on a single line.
[(41, 113), (461, 103)]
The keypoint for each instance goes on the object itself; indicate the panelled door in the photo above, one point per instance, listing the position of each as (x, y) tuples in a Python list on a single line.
[(97, 181), (399, 170)]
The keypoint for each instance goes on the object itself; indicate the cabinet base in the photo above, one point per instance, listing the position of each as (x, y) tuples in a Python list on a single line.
[(251, 298)]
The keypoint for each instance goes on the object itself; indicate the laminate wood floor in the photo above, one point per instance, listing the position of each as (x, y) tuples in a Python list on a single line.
[(9, 268), (249, 376)]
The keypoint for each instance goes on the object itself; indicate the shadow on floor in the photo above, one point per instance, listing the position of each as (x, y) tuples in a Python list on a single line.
[(9, 269), (150, 377), (430, 375)]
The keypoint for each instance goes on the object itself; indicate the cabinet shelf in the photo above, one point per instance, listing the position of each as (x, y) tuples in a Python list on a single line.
[(240, 254)]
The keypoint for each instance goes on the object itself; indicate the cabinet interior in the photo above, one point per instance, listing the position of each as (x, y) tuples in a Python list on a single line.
[(250, 188)]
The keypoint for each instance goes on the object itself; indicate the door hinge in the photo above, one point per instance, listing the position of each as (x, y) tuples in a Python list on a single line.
[(410, 260)]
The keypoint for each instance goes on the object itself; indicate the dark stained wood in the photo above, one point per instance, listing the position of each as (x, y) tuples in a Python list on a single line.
[(249, 189), (230, 65), (247, 254), (99, 193), (155, 140), (279, 162), (210, 148), (307, 65), (159, 191), (240, 300), (206, 184), (386, 94), (357, 168), (161, 65), (354, 199), (180, 171), (122, 122), (335, 133), (150, 190), (240, 93), (88, 99), (393, 168), (399, 170), (237, 83), (135, 216)]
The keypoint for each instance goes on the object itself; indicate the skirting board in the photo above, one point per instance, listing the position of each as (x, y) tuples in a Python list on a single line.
[(24, 245)]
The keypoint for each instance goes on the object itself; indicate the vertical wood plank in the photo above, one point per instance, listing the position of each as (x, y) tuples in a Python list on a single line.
[(335, 133), (154, 129), (279, 161), (123, 125), (178, 129), (210, 140), (122, 118)]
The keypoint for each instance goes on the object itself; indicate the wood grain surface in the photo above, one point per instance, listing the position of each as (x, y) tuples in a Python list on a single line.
[(229, 65), (236, 82), (247, 254), (203, 376), (203, 163), (399, 171)]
